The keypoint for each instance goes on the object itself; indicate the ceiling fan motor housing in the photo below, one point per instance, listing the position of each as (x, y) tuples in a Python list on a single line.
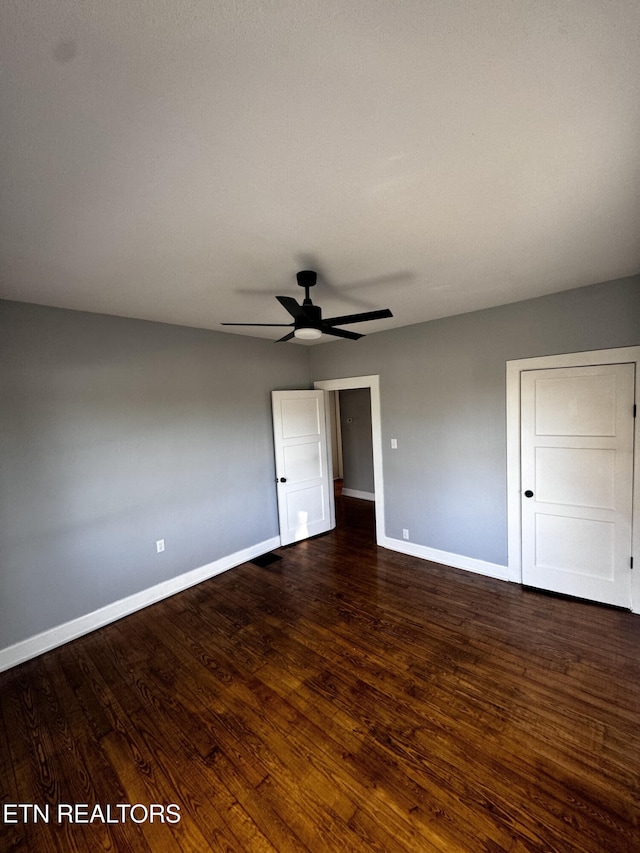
[(310, 318)]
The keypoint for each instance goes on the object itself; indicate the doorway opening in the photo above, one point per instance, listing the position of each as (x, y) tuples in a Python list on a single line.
[(351, 440), (364, 485)]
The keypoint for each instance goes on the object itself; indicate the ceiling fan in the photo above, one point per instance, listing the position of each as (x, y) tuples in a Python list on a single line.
[(307, 318)]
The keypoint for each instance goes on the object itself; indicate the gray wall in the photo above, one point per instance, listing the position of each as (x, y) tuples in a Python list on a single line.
[(357, 446), (115, 433), (442, 387)]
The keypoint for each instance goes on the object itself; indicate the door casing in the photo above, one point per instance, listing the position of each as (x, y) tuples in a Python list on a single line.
[(514, 485)]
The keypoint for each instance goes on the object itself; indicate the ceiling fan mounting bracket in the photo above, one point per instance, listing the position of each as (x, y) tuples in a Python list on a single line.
[(307, 278)]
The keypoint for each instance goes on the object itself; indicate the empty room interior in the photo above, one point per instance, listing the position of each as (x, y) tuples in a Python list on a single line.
[(319, 456)]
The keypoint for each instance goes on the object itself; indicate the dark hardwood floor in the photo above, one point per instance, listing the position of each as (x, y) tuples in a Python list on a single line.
[(343, 698)]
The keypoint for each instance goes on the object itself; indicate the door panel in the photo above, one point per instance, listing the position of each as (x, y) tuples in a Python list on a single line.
[(577, 460), (303, 472), (578, 546), (579, 477), (302, 462), (300, 416), (305, 508), (575, 405)]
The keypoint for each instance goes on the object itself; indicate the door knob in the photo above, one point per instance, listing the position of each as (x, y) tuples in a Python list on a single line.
[(283, 479), (528, 493)]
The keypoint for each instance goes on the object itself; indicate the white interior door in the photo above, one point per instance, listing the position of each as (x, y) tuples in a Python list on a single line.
[(577, 480), (303, 473)]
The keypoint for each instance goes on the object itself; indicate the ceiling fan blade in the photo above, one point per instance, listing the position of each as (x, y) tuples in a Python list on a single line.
[(292, 306), (358, 318), (340, 333), (256, 324), (286, 338)]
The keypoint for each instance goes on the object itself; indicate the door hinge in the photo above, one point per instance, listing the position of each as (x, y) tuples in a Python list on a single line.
[(631, 562), (634, 410)]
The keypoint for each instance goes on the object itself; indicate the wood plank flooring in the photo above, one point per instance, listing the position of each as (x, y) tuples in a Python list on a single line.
[(344, 698)]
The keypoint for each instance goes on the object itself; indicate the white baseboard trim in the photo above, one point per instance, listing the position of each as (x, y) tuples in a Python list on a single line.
[(54, 637), (356, 493), (456, 561)]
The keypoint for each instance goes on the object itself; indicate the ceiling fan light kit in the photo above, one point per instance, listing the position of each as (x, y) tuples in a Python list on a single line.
[(308, 324), (308, 334)]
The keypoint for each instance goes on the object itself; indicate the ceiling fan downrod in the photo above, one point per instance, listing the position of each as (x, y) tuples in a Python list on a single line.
[(307, 279)]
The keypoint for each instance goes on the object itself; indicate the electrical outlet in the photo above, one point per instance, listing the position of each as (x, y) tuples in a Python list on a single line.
[(405, 533), (394, 443), (159, 546)]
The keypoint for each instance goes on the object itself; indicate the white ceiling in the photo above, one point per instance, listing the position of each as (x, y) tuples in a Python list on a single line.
[(180, 160)]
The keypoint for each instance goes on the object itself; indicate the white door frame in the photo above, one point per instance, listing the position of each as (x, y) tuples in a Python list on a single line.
[(336, 432), (514, 487), (373, 383)]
